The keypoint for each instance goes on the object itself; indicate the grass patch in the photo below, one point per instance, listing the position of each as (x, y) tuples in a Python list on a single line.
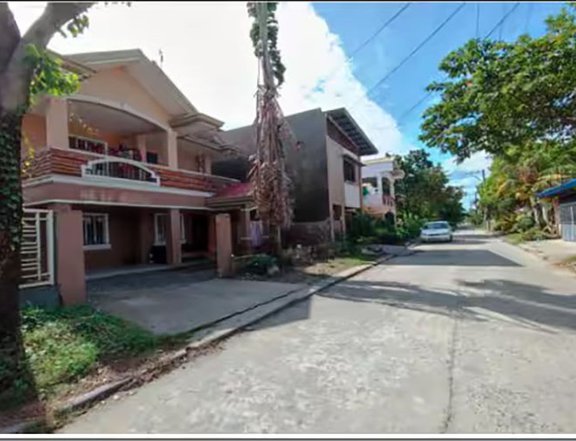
[(62, 345), (515, 238), (570, 260)]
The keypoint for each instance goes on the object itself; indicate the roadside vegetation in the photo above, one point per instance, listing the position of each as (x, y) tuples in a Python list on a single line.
[(63, 345), (515, 102)]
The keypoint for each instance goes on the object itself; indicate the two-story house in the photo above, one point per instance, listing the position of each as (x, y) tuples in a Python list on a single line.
[(378, 180), (124, 169), (325, 170)]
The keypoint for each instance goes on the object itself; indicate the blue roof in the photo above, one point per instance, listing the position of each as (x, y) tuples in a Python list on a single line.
[(559, 189)]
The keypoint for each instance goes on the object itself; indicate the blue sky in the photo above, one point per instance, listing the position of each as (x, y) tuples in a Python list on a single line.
[(355, 22)]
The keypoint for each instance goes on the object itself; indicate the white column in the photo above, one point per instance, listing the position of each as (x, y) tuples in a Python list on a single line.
[(379, 183), (141, 146), (57, 123), (392, 191), (172, 148)]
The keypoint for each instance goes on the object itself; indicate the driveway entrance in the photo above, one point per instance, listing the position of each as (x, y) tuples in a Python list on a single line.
[(171, 302)]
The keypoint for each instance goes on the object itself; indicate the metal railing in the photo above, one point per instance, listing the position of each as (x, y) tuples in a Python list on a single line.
[(37, 249)]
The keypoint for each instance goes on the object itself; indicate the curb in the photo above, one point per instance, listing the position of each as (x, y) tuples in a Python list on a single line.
[(206, 336)]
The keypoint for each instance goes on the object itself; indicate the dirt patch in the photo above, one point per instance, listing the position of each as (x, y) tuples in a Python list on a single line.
[(311, 273)]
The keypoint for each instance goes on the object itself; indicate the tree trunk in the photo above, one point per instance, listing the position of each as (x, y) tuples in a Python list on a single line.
[(14, 373)]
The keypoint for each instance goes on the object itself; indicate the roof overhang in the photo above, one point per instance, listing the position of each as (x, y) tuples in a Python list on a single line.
[(559, 190), (145, 71), (72, 66), (342, 118)]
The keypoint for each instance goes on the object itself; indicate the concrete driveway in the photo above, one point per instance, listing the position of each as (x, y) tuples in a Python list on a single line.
[(471, 337), (171, 302)]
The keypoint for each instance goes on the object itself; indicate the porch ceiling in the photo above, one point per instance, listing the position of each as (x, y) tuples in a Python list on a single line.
[(107, 119)]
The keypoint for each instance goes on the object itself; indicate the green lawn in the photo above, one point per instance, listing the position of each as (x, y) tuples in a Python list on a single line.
[(63, 345)]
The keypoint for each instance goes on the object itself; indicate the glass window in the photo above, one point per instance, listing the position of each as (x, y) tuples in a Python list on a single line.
[(160, 228), (95, 227), (349, 171)]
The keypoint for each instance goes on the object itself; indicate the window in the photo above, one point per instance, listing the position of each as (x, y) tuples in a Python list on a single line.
[(160, 228), (87, 144), (151, 158), (349, 170), (95, 227)]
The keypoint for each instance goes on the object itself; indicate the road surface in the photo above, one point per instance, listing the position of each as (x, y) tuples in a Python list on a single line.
[(470, 337)]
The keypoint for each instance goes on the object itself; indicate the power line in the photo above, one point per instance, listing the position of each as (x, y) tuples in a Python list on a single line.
[(477, 19), (421, 100), (415, 50), (502, 27), (503, 19), (369, 40), (379, 30), (528, 16)]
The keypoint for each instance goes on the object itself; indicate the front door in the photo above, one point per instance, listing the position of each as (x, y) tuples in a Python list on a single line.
[(199, 239)]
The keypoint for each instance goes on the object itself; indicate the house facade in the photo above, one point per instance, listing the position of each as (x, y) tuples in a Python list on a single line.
[(325, 169), (378, 183), (563, 198), (124, 169)]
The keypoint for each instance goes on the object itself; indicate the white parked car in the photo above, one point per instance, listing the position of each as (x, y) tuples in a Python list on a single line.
[(439, 231)]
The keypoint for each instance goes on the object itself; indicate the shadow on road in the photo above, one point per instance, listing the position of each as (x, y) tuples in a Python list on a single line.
[(454, 257), (527, 305)]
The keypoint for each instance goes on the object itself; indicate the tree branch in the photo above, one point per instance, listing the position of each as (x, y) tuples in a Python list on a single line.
[(55, 16), (9, 35), (18, 73)]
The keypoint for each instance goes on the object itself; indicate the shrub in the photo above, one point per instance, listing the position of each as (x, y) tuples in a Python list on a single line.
[(260, 264), (524, 223), (534, 233)]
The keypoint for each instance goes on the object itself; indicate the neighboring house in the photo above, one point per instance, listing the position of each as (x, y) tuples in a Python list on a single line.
[(124, 169), (378, 180), (325, 170), (564, 199)]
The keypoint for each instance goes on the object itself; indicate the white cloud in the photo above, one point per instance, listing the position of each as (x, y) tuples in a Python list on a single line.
[(208, 54), (477, 161)]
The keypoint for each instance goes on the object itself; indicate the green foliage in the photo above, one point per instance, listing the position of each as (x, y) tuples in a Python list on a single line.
[(64, 344), (260, 264), (272, 25), (365, 229), (424, 191), (517, 102), (524, 223), (500, 94), (49, 76)]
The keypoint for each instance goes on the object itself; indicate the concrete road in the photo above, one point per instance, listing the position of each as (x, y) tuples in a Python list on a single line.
[(470, 337)]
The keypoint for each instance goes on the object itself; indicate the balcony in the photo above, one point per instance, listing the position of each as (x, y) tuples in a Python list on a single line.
[(379, 204), (121, 171)]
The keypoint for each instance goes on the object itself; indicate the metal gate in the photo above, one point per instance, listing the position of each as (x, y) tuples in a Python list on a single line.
[(568, 221), (37, 253)]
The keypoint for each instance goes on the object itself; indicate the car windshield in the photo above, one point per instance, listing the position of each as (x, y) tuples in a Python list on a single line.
[(436, 226)]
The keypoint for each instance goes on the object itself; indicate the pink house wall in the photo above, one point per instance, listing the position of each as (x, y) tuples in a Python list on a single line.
[(124, 239), (119, 86), (78, 193)]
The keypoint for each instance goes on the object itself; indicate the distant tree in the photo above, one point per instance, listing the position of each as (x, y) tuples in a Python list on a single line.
[(425, 191)]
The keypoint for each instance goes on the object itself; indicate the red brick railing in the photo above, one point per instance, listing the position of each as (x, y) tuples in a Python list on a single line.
[(56, 161)]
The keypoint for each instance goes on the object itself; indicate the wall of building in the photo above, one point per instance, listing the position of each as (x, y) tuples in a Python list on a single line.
[(33, 131), (119, 86), (307, 165), (124, 240)]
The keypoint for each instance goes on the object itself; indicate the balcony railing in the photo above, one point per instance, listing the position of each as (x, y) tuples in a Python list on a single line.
[(57, 161), (118, 168), (388, 200)]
